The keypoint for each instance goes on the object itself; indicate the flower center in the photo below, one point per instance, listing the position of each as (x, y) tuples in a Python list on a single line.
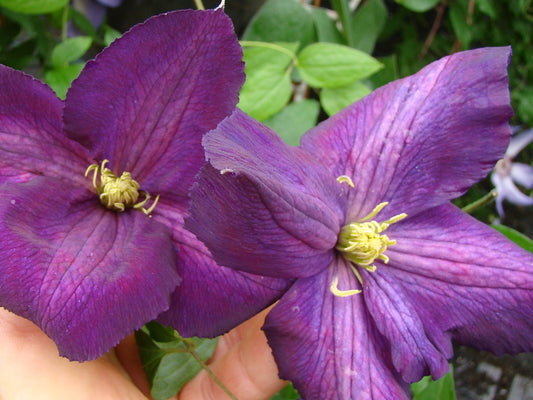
[(362, 242), (118, 193)]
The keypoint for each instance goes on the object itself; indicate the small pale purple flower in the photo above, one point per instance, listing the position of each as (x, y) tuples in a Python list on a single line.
[(93, 190), (384, 271), (95, 10), (507, 172)]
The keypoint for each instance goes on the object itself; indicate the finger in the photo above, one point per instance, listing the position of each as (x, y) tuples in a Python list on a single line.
[(30, 368), (243, 362)]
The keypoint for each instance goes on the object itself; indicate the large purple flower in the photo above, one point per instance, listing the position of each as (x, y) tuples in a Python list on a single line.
[(127, 137), (386, 271)]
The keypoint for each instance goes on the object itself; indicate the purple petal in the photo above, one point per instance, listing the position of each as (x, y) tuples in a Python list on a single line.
[(519, 143), (145, 102), (265, 210), (199, 306), (463, 279), (328, 346), (522, 174), (31, 138), (85, 275), (423, 140), (211, 300)]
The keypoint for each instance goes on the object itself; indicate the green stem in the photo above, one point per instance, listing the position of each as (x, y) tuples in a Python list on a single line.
[(64, 23), (212, 375), (199, 5), (487, 199), (273, 46)]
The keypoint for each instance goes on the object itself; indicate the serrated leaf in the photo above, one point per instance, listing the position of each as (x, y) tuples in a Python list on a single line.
[(268, 85), (282, 21), (515, 236), (332, 65), (335, 99), (170, 364), (294, 120), (428, 389), (367, 23), (33, 6), (60, 78), (418, 5), (70, 50)]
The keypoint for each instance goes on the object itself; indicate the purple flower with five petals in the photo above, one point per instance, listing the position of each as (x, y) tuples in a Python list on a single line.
[(93, 190), (385, 271)]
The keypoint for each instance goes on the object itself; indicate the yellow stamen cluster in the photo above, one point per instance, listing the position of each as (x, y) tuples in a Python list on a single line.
[(118, 193), (362, 242)]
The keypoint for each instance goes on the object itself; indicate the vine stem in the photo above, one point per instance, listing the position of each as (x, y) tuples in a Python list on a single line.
[(487, 199), (206, 368), (199, 5), (273, 46)]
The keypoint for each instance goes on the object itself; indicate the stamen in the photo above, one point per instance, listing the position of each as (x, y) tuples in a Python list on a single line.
[(362, 242), (118, 193), (345, 179)]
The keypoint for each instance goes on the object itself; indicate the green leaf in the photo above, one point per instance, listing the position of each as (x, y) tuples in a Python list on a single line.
[(268, 85), (170, 364), (60, 78), (335, 99), (326, 28), (428, 389), (367, 23), (19, 56), (82, 22), (33, 6), (70, 50), (458, 18), (333, 65), (418, 5), (343, 10), (110, 35), (287, 393), (282, 21), (294, 120), (515, 236), (388, 74)]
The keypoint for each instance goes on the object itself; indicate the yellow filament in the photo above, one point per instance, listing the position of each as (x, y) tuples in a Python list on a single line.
[(118, 193)]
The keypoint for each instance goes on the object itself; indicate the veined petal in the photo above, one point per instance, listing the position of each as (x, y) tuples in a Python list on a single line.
[(145, 102), (31, 138), (261, 227), (200, 304), (423, 140), (464, 279), (85, 275), (417, 347), (328, 346)]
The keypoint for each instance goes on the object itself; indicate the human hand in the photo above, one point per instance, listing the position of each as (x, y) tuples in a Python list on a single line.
[(30, 367)]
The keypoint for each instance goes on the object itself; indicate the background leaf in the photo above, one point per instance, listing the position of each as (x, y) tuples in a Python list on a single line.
[(70, 50), (294, 120), (418, 5), (332, 65), (367, 23), (33, 6), (282, 21), (428, 389), (515, 236), (169, 363), (268, 85), (335, 99)]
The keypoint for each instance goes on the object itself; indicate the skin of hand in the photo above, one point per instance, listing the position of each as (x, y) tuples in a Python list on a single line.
[(30, 367)]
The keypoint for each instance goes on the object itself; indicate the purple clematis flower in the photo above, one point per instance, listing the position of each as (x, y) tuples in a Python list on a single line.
[(506, 172), (386, 271), (93, 190)]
